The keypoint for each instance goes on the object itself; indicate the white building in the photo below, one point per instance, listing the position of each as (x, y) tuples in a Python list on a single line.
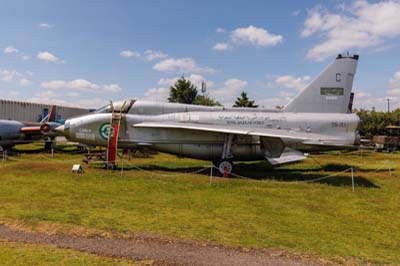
[(34, 112)]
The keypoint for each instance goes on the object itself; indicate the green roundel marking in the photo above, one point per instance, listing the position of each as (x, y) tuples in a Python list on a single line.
[(106, 130)]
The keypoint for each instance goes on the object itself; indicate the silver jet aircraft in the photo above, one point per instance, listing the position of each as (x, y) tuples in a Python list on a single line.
[(14, 132), (319, 118)]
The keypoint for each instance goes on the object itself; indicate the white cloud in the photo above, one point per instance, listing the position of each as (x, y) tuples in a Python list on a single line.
[(91, 103), (129, 53), (9, 75), (14, 93), (46, 94), (162, 93), (10, 50), (287, 95), (291, 82), (258, 37), (73, 94), (46, 56), (45, 26), (13, 50), (361, 94), (255, 36), (228, 93), (194, 79), (50, 97), (364, 25), (271, 103), (394, 82), (394, 87), (222, 46), (365, 99), (51, 100), (181, 65), (153, 55), (156, 94), (220, 30), (112, 88), (80, 84), (25, 82)]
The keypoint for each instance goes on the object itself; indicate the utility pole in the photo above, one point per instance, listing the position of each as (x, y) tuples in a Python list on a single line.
[(203, 87), (388, 100)]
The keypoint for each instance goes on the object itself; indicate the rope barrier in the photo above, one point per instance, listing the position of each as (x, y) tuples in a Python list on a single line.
[(325, 177), (168, 175), (351, 169)]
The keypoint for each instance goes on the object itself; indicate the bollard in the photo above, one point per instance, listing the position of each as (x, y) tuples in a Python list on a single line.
[(352, 178)]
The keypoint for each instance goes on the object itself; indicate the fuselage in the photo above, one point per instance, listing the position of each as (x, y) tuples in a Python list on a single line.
[(94, 129), (10, 133)]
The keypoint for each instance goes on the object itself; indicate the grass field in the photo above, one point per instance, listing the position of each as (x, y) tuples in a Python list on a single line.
[(16, 254), (269, 209)]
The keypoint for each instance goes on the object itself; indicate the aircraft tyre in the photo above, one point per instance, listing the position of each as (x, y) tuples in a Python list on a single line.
[(225, 167)]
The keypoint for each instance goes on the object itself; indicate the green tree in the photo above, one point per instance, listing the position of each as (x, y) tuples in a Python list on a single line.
[(375, 123), (243, 101), (183, 91), (206, 100)]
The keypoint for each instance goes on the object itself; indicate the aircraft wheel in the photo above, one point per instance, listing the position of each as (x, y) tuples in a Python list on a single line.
[(225, 167)]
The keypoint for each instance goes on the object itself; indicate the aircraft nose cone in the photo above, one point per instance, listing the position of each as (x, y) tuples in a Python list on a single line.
[(63, 131), (60, 129)]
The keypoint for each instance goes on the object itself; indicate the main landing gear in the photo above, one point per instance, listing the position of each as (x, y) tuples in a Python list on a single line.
[(225, 167)]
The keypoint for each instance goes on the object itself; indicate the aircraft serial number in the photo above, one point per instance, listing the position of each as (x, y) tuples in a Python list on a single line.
[(338, 125)]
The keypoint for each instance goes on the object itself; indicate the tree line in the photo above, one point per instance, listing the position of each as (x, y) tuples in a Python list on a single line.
[(372, 122), (184, 91), (375, 122)]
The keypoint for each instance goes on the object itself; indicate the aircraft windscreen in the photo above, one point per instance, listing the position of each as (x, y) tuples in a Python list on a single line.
[(119, 106), (104, 109)]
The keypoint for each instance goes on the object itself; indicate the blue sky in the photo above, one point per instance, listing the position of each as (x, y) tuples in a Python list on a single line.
[(87, 52)]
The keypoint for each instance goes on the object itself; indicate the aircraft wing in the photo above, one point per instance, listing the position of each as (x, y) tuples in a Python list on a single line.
[(284, 134)]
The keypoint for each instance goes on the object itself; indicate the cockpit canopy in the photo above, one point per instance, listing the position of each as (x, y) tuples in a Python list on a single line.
[(117, 107)]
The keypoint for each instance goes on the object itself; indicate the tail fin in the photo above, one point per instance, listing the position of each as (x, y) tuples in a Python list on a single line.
[(51, 117), (330, 91)]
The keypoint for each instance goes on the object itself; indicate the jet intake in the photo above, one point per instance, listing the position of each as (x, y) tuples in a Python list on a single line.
[(272, 147)]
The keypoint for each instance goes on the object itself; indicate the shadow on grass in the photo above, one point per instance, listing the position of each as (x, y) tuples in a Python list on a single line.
[(259, 172), (263, 171)]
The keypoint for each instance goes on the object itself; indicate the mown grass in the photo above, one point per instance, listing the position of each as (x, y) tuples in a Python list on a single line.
[(269, 209), (17, 254)]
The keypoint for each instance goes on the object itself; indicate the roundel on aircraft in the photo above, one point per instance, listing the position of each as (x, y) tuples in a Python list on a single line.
[(106, 131)]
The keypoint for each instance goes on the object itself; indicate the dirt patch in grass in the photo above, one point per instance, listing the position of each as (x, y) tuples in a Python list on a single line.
[(167, 251)]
